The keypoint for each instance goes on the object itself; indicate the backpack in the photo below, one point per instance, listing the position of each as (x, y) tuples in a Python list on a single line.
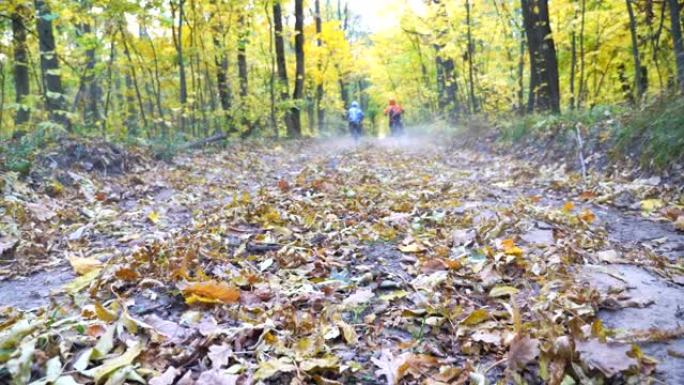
[(355, 115)]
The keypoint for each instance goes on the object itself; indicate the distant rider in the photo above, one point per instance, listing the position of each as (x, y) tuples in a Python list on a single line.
[(355, 116), (394, 112)]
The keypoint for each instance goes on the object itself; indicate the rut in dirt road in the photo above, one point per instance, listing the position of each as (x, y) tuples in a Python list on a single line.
[(392, 260)]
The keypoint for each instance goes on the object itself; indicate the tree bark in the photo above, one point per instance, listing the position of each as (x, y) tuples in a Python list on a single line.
[(471, 51), (676, 31), (544, 84), (242, 56), (446, 69), (93, 92), (22, 86), (49, 65), (573, 59), (298, 94), (281, 63), (640, 86), (320, 111)]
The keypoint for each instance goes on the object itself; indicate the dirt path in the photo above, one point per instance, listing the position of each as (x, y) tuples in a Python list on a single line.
[(401, 241)]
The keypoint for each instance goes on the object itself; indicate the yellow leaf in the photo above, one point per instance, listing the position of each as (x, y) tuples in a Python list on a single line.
[(348, 332), (84, 265), (412, 248), (81, 282), (328, 362), (153, 217), (568, 207), (270, 368), (587, 216), (104, 314), (501, 291), (510, 248), (211, 292), (648, 205), (476, 317)]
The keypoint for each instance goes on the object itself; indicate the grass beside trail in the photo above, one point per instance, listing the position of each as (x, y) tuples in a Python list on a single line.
[(654, 132)]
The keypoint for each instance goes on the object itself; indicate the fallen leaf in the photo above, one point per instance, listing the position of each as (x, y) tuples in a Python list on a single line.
[(166, 378), (211, 292), (84, 266), (100, 372), (609, 358), (650, 205), (476, 317), (361, 296), (328, 362), (522, 351), (391, 367), (270, 368), (219, 355), (153, 217), (217, 377), (501, 291), (81, 282)]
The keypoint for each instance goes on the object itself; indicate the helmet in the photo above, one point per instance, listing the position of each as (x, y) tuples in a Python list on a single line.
[(355, 104)]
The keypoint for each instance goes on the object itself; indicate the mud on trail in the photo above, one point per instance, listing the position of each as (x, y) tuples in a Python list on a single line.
[(392, 262)]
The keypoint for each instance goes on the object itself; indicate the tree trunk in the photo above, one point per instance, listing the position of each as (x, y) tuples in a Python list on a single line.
[(49, 65), (446, 69), (223, 83), (22, 86), (281, 63), (638, 71), (299, 80), (320, 111), (471, 48), (92, 90), (573, 59), (243, 34), (676, 31), (179, 51), (134, 77), (544, 84), (582, 85)]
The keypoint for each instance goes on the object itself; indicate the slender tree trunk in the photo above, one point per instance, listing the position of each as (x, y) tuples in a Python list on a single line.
[(223, 84), (678, 44), (243, 34), (471, 53), (521, 74), (179, 51), (582, 85), (544, 84), (281, 63), (320, 111), (49, 65), (134, 77), (573, 59), (22, 86), (298, 94), (638, 71), (92, 91)]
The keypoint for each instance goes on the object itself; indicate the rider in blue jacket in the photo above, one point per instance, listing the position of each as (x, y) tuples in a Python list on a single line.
[(355, 117)]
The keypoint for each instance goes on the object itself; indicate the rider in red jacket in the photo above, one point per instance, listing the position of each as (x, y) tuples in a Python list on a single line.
[(394, 112)]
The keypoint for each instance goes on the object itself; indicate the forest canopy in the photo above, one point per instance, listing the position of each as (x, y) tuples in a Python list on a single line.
[(195, 68)]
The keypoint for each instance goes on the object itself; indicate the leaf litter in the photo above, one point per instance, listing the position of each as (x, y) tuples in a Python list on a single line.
[(320, 262)]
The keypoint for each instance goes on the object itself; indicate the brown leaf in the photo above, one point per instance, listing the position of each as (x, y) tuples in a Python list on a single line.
[(523, 350)]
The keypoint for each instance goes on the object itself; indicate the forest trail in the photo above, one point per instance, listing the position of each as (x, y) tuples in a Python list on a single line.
[(373, 262)]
